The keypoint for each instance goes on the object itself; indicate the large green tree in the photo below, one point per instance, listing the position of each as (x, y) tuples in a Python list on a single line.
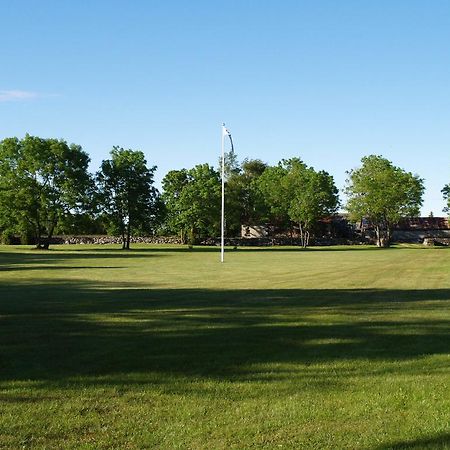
[(42, 181), (383, 194), (192, 199), (313, 196), (243, 200), (126, 194), (298, 194)]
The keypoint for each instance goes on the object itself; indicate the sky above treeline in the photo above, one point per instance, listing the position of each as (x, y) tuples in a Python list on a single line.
[(326, 81)]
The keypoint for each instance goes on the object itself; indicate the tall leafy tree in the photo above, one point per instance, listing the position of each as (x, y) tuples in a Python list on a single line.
[(42, 181), (126, 193), (243, 201), (254, 209), (192, 199), (313, 195), (298, 194), (383, 194), (172, 185)]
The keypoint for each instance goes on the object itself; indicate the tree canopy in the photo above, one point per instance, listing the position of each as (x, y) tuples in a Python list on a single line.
[(42, 181), (46, 189), (243, 200), (297, 193), (126, 193), (192, 199), (383, 194)]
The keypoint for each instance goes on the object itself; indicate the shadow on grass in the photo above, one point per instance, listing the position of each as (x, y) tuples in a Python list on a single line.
[(69, 329), (18, 267), (10, 260), (439, 442), (249, 248), (93, 251)]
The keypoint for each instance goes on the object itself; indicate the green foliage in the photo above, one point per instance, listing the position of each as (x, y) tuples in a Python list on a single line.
[(273, 190), (126, 193), (192, 199), (383, 194), (7, 237), (446, 193), (314, 196), (231, 166), (297, 193), (82, 223), (41, 182), (244, 203)]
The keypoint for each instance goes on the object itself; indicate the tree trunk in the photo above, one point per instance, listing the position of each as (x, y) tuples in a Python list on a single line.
[(42, 243), (302, 241), (383, 237), (128, 235), (191, 238), (388, 235), (377, 231), (122, 232), (46, 242), (38, 235)]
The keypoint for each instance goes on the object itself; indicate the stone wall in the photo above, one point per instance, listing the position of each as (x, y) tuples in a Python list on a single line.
[(418, 236), (114, 240), (440, 237), (438, 241), (278, 241)]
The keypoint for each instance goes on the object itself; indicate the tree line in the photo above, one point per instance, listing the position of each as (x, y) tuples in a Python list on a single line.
[(46, 189)]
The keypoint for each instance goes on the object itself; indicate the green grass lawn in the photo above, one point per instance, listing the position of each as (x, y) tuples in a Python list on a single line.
[(162, 347)]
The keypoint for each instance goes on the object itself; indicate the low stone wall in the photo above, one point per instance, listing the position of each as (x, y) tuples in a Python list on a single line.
[(436, 241), (424, 238), (418, 236), (234, 242), (279, 241), (102, 240)]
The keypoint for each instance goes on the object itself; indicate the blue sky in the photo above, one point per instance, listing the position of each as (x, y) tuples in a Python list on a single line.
[(328, 81)]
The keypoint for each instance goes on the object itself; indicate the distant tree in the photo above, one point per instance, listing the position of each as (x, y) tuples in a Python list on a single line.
[(273, 190), (231, 166), (297, 193), (313, 195), (172, 186), (243, 201), (254, 209), (446, 193), (383, 194), (192, 199), (42, 182), (126, 193)]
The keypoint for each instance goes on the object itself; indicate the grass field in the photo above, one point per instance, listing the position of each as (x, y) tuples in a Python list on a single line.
[(159, 347)]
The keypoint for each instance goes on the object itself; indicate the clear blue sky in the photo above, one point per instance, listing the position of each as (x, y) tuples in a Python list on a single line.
[(328, 81)]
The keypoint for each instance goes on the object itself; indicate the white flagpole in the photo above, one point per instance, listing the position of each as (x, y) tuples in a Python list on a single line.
[(222, 222)]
